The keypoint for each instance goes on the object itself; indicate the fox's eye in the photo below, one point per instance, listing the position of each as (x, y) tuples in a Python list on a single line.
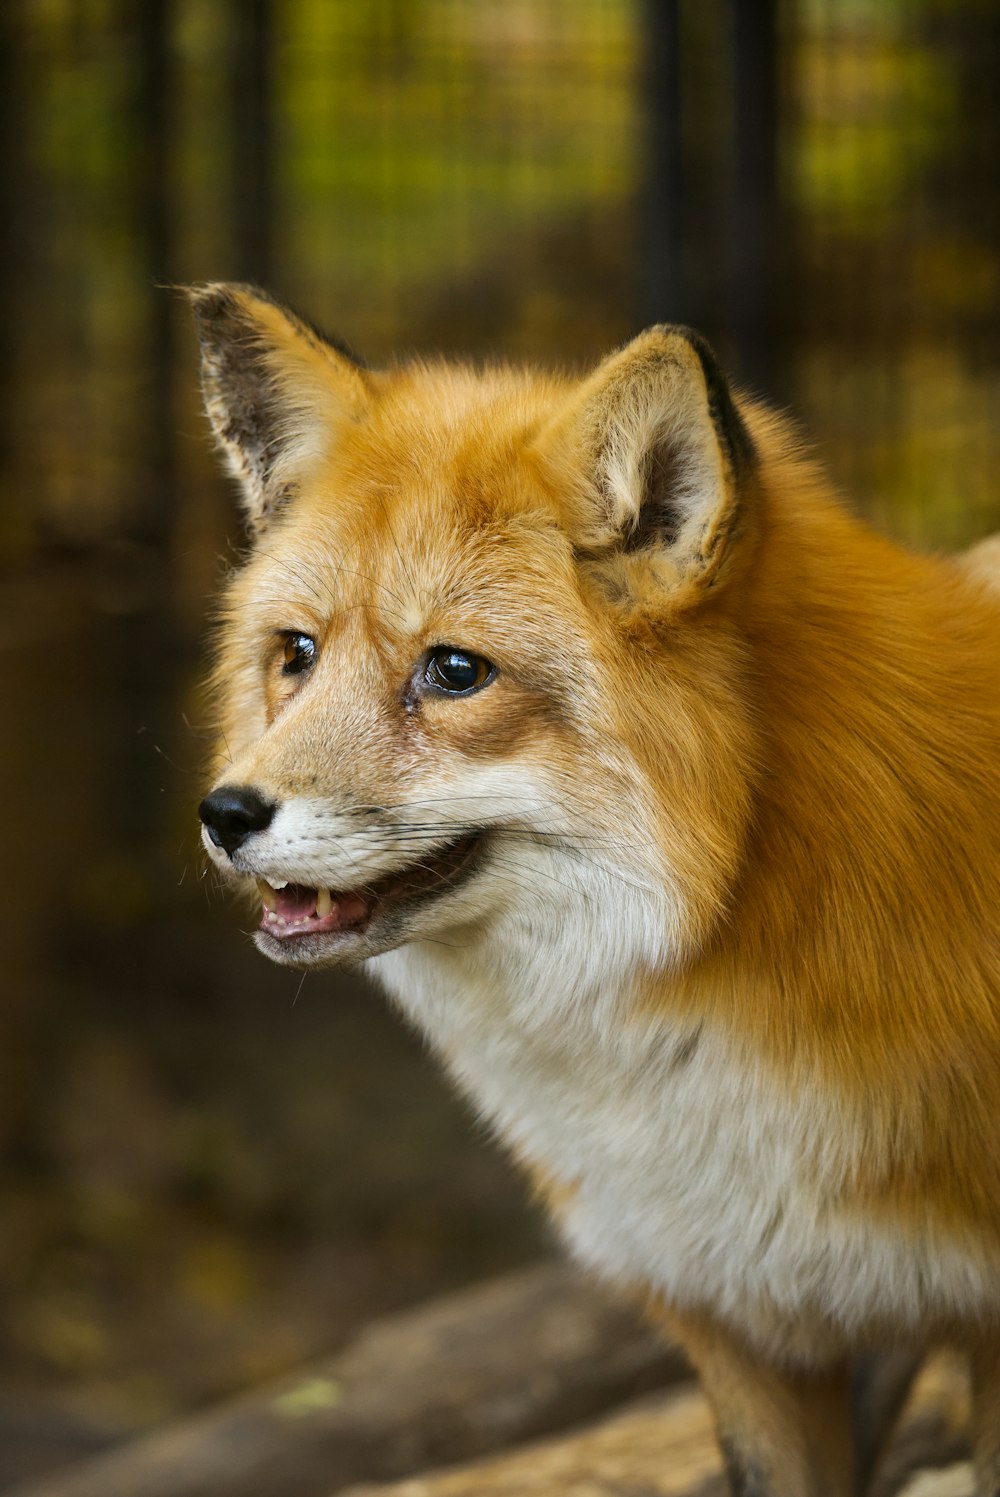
[(457, 672), (298, 654)]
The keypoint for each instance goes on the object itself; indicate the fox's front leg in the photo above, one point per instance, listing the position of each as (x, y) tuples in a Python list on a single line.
[(783, 1434), (986, 1417)]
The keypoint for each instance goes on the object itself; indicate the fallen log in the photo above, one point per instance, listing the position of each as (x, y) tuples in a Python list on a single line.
[(666, 1447), (475, 1372)]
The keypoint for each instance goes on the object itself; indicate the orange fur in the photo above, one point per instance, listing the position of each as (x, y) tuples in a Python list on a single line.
[(796, 718)]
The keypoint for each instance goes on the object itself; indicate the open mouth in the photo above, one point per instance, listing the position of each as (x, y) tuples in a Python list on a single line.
[(293, 911)]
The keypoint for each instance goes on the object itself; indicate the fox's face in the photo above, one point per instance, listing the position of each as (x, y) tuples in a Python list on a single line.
[(477, 675)]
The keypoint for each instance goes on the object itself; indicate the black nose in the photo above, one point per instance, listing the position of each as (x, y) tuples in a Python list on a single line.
[(233, 813)]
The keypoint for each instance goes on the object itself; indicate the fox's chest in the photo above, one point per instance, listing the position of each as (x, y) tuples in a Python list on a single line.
[(681, 1166)]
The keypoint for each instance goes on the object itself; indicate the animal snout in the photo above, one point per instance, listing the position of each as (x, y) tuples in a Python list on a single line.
[(233, 813)]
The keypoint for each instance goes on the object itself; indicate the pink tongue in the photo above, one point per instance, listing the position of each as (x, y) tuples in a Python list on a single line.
[(296, 914), (295, 902)]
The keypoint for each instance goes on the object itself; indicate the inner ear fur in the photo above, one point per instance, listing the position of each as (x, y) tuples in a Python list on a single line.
[(275, 390), (658, 457)]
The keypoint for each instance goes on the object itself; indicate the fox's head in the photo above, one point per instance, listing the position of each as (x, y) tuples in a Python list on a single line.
[(478, 676)]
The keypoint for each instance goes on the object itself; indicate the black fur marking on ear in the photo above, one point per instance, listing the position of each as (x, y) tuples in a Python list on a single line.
[(247, 410), (659, 519), (236, 382), (735, 440)]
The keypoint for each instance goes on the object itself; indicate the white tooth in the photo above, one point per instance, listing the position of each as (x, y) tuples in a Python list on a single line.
[(266, 894), (324, 904), (280, 884)]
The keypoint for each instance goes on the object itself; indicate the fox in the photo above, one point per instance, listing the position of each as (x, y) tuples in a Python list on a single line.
[(662, 795)]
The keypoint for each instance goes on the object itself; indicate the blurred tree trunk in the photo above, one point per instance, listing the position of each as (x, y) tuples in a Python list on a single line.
[(752, 231), (13, 256), (663, 292), (144, 698), (253, 140), (155, 219)]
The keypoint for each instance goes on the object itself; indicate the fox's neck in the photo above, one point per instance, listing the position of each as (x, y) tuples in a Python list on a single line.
[(878, 710)]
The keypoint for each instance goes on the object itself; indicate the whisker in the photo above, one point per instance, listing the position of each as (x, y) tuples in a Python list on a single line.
[(389, 613), (411, 584), (343, 570), (382, 587), (451, 945), (544, 874), (405, 832), (279, 561), (173, 765)]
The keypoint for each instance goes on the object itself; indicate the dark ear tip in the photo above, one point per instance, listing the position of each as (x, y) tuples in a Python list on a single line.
[(702, 347), (728, 422), (219, 306), (695, 340), (211, 301)]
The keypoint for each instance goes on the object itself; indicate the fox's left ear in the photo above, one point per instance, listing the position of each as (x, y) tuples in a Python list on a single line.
[(659, 459), (275, 390)]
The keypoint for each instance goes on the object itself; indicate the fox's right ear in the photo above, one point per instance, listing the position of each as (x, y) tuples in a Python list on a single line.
[(653, 450), (275, 390)]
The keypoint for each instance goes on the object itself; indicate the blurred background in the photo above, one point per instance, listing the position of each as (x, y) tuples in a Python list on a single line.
[(209, 1170)]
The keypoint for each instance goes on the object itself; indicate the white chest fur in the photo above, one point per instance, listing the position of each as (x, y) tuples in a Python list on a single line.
[(690, 1171)]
